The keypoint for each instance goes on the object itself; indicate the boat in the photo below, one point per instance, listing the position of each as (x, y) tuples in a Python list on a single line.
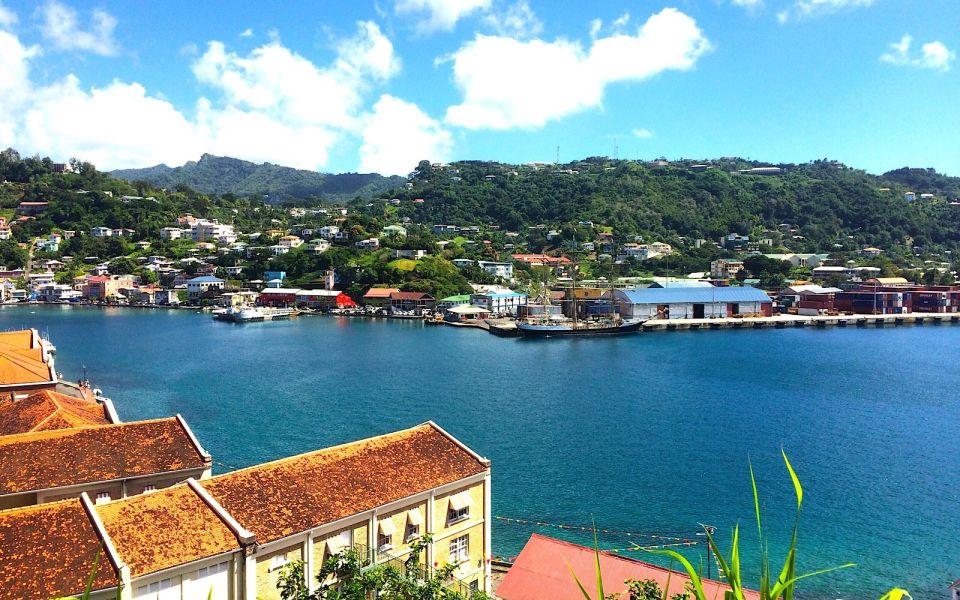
[(546, 329), (253, 314), (548, 325)]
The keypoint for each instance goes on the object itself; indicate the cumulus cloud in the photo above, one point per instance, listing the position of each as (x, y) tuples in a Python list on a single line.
[(509, 83), (517, 21), (246, 33), (439, 15), (643, 134), (268, 105), (812, 8), (397, 135), (933, 55), (60, 25)]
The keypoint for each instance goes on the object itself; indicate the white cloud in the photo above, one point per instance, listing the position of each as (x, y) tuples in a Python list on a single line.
[(60, 25), (8, 18), (397, 135), (509, 83), (246, 33), (643, 134), (750, 5), (441, 15), (271, 105), (813, 8), (933, 55), (517, 21)]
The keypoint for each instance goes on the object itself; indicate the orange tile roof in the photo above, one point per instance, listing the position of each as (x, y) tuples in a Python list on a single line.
[(284, 497), (376, 292), (46, 410), (20, 362), (162, 529), (48, 551), (49, 459)]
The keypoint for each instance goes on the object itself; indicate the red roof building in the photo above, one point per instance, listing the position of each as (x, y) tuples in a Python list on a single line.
[(542, 572)]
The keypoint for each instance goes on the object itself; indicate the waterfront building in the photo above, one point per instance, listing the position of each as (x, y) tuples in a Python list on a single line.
[(451, 301), (26, 364), (198, 286), (542, 570), (465, 312), (107, 462), (234, 533), (47, 410), (323, 299), (407, 301), (377, 296), (278, 296), (690, 303), (500, 303)]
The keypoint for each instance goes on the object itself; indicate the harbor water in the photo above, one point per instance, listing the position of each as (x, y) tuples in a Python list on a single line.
[(650, 432)]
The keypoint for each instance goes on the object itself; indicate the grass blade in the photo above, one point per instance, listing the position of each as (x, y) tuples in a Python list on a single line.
[(694, 576), (796, 480)]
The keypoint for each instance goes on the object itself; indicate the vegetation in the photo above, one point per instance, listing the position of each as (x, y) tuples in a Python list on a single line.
[(349, 575), (223, 175), (773, 585)]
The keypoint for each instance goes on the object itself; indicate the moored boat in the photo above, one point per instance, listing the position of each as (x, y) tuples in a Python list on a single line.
[(577, 328)]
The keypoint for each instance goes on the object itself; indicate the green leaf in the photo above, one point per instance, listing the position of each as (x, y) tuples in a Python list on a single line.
[(583, 590), (796, 481), (694, 576), (596, 557)]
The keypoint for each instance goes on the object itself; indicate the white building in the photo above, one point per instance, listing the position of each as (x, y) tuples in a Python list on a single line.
[(197, 286), (171, 233), (500, 303), (368, 244), (291, 241), (101, 232), (204, 230), (328, 232), (497, 269)]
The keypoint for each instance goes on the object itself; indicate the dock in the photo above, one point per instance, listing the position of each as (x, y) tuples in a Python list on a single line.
[(813, 321)]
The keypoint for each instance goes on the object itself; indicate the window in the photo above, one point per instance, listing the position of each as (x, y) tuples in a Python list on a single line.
[(475, 585), (459, 509), (158, 589), (149, 488), (278, 562), (212, 570), (385, 537), (460, 549), (412, 532), (414, 521), (103, 497)]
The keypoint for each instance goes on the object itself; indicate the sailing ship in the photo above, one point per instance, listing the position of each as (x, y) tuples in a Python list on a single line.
[(551, 325)]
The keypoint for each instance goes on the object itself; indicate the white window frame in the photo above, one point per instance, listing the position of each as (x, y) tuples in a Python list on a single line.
[(412, 532), (384, 542), (455, 516), (460, 549), (102, 498), (149, 488)]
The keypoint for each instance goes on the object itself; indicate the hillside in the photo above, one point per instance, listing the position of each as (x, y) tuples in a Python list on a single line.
[(822, 206), (222, 175)]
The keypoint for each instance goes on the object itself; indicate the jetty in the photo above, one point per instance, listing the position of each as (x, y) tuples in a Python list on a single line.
[(814, 321)]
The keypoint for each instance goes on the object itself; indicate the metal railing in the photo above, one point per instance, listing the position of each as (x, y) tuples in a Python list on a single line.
[(408, 569)]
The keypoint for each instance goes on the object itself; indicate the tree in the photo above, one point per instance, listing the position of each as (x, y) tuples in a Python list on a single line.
[(348, 575), (12, 256)]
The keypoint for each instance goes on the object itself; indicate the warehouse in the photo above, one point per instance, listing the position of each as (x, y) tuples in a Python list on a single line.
[(691, 303)]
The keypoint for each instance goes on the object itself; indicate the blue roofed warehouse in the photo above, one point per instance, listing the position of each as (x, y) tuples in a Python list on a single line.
[(691, 303)]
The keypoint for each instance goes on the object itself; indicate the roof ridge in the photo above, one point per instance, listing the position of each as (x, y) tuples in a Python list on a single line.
[(288, 459), (8, 439)]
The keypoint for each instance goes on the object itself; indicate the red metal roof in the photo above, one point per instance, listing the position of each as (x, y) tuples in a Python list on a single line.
[(541, 572)]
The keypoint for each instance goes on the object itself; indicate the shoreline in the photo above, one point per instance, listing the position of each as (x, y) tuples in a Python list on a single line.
[(495, 326)]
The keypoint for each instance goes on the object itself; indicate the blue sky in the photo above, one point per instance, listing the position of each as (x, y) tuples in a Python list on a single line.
[(344, 86)]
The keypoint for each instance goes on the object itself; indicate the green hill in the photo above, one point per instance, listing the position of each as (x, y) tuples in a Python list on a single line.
[(222, 175), (821, 206)]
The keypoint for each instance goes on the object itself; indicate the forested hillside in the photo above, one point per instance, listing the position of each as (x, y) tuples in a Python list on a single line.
[(223, 175), (826, 204)]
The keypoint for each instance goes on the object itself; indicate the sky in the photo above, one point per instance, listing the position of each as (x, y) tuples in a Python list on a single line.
[(378, 86)]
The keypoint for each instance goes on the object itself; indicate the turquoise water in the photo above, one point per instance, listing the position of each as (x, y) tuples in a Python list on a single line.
[(650, 432)]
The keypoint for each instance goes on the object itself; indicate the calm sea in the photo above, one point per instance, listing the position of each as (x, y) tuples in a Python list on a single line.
[(648, 433)]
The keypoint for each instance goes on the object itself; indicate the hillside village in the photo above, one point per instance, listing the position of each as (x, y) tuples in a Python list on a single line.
[(69, 233)]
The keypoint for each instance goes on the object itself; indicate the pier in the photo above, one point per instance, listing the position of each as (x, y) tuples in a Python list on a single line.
[(815, 321)]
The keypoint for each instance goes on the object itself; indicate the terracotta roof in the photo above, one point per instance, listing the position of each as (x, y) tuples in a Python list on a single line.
[(295, 494), (542, 572), (380, 292), (48, 551), (45, 410), (50, 459), (20, 362), (162, 529), (410, 296)]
